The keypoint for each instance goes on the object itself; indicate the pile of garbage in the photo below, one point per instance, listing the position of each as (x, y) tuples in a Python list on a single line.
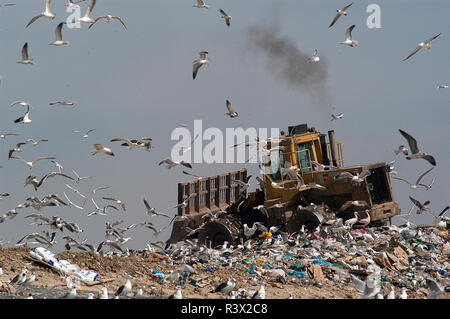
[(375, 261)]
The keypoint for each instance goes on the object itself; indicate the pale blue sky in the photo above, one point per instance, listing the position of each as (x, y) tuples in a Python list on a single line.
[(138, 82)]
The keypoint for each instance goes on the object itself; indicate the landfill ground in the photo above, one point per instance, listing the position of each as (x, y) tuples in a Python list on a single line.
[(327, 279)]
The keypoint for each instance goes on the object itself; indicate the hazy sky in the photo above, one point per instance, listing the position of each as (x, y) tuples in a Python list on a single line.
[(138, 82)]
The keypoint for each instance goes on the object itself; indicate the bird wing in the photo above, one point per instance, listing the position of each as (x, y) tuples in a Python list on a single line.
[(90, 8), (425, 173), (229, 107), (98, 147), (146, 204), (337, 16), (443, 211), (430, 159), (186, 164), (119, 19), (411, 142), (19, 158), (33, 19), (431, 39), (25, 52), (124, 139), (348, 33), (47, 5), (401, 179), (58, 34), (95, 21), (42, 158), (416, 202), (346, 7), (364, 174), (195, 68), (413, 52), (167, 161)]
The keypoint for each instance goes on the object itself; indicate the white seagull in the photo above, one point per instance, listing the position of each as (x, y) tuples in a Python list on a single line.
[(58, 36), (417, 183), (47, 13), (337, 116), (358, 178), (108, 18), (171, 163), (226, 17), (199, 62), (443, 86), (87, 16), (315, 58), (99, 148), (152, 211), (177, 294), (422, 45), (348, 40), (340, 13), (421, 206), (30, 164), (25, 58), (4, 136), (118, 202), (226, 287), (260, 293), (104, 293), (201, 4), (86, 135), (415, 152), (231, 112), (125, 289)]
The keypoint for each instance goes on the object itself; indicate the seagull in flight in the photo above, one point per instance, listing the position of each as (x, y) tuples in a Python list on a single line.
[(199, 62), (86, 135), (152, 211), (87, 16), (443, 86), (30, 164), (80, 178), (25, 58), (170, 163), (415, 152), (421, 206), (99, 148), (24, 119), (64, 103), (340, 12), (315, 58), (46, 14), (201, 4), (357, 203), (348, 40), (118, 202), (337, 116), (231, 112), (226, 17), (358, 178), (108, 18), (422, 45), (417, 183), (58, 36)]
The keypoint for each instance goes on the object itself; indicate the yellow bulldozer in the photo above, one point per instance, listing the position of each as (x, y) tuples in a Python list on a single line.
[(304, 184)]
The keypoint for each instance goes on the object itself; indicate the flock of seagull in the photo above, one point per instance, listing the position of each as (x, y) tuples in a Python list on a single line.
[(114, 230)]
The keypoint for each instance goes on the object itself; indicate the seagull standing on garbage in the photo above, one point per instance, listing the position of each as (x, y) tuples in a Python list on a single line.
[(226, 287), (30, 279), (104, 294), (403, 294), (260, 293), (20, 278), (177, 294), (125, 288), (71, 294)]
